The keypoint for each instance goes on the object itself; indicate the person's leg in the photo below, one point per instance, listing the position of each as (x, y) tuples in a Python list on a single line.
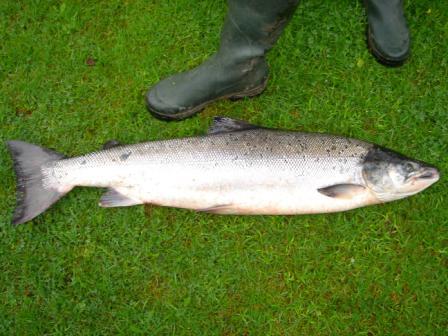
[(237, 70), (387, 32)]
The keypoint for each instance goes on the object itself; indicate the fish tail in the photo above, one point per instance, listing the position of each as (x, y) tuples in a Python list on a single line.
[(33, 196)]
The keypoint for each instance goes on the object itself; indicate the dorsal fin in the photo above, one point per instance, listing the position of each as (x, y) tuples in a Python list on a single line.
[(224, 124), (111, 144)]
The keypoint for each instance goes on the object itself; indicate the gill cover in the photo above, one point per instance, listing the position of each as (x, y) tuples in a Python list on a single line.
[(391, 175)]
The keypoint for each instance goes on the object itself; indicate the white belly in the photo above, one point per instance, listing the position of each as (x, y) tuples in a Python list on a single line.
[(227, 190)]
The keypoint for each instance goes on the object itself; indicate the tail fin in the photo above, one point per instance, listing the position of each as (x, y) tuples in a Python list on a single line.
[(33, 197)]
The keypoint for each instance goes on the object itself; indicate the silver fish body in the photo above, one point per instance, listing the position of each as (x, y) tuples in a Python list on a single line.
[(236, 169)]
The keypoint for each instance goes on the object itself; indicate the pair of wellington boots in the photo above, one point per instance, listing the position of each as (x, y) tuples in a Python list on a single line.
[(239, 68)]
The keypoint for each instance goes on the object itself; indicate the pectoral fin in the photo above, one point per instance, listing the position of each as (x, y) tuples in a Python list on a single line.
[(342, 191), (112, 198)]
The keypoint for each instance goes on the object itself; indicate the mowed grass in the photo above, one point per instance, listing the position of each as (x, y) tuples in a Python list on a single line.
[(73, 75)]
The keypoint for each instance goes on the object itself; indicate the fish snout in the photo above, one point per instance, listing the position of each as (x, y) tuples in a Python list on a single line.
[(428, 174), (423, 178)]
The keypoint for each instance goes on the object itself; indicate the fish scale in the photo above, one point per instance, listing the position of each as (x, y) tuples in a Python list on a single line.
[(251, 144), (235, 170)]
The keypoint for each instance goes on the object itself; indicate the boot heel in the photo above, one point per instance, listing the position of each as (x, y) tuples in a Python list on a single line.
[(251, 92)]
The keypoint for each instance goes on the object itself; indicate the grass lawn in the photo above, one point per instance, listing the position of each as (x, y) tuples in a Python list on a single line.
[(73, 75)]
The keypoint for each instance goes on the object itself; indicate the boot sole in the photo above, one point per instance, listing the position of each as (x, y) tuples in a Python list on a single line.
[(192, 111), (379, 56)]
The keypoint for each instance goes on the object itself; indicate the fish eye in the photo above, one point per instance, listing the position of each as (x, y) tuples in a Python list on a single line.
[(409, 167)]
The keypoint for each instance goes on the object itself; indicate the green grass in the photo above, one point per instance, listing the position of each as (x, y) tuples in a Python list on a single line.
[(80, 269)]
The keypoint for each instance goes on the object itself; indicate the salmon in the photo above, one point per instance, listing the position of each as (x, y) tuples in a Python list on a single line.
[(236, 168)]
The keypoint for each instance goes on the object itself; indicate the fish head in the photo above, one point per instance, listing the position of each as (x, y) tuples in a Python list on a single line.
[(391, 175)]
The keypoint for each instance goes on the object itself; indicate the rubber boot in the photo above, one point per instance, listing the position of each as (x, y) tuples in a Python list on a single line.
[(387, 32), (237, 70)]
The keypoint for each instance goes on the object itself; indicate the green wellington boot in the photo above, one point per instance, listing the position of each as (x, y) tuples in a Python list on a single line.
[(387, 32), (237, 70)]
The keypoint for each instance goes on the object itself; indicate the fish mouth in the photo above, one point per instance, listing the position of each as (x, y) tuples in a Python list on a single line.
[(429, 174)]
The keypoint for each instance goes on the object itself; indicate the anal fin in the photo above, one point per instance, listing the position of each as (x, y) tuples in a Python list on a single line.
[(113, 198), (219, 209)]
